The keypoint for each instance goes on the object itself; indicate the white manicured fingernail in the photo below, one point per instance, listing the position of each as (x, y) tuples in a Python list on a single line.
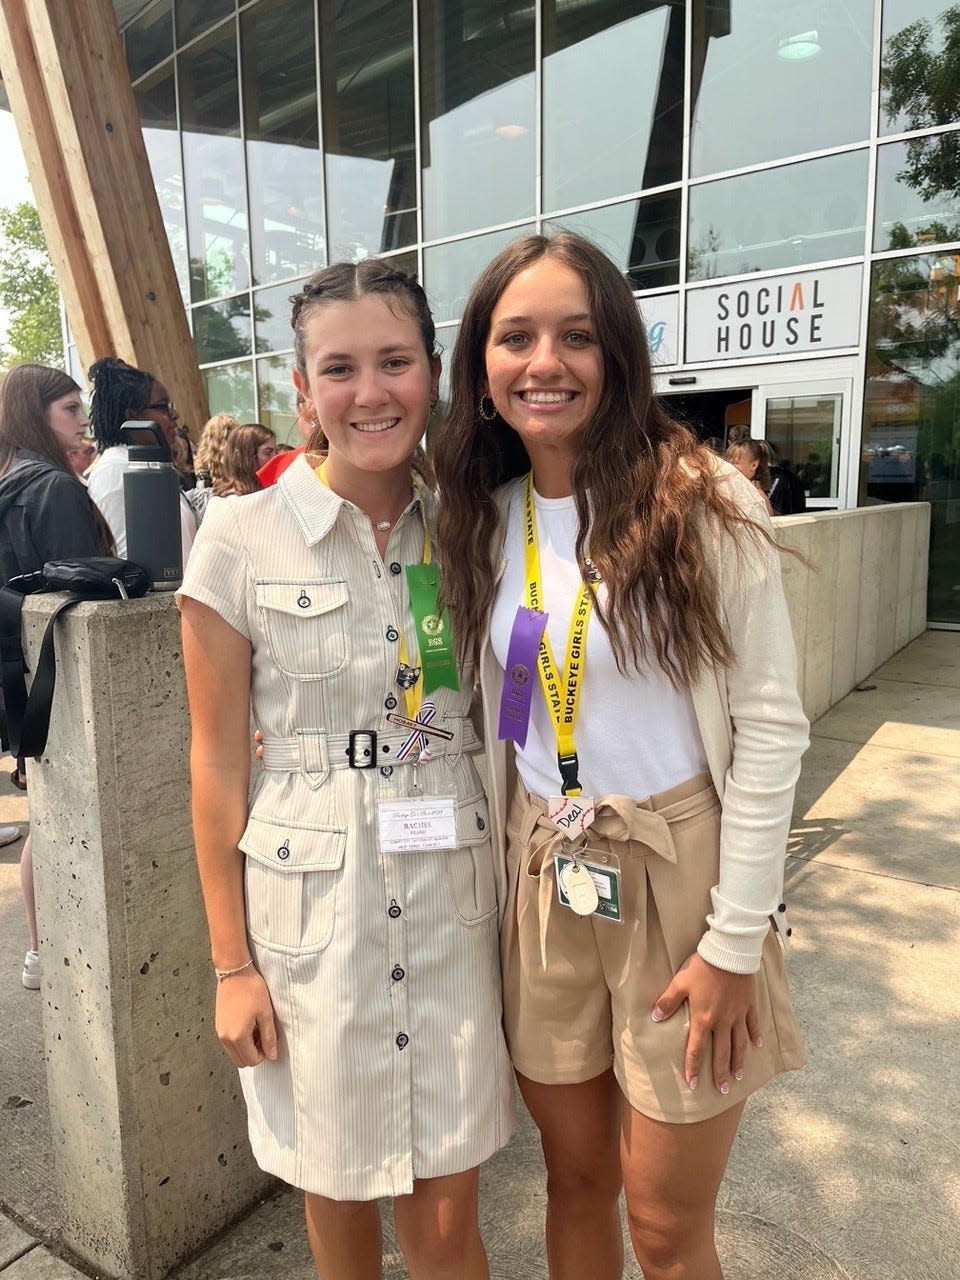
[(657, 1014), (693, 1083), (738, 1075), (725, 1088)]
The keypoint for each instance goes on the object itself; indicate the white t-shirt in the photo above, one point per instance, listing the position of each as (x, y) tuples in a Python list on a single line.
[(105, 486), (635, 735)]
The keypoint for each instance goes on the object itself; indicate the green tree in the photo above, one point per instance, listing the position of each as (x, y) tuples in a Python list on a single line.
[(28, 291)]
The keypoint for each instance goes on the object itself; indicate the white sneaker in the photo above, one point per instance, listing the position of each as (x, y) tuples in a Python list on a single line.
[(31, 971), (8, 835)]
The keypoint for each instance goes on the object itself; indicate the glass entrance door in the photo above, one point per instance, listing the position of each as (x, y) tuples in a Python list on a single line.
[(807, 423)]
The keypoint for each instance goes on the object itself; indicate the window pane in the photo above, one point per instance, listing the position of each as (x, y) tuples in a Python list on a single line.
[(450, 269), (478, 103), (368, 127), (278, 399), (283, 140), (911, 413), (777, 78), (230, 390), (787, 217), (213, 167), (156, 104), (920, 71), (221, 331), (641, 236), (271, 316), (612, 99), (194, 16), (805, 431), (918, 192), (149, 39)]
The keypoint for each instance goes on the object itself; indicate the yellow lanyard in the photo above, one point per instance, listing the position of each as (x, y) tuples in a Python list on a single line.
[(561, 690), (411, 696)]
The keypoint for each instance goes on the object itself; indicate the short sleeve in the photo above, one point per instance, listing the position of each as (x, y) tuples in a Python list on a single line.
[(217, 572)]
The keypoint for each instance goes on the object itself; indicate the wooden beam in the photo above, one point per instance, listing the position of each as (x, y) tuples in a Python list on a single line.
[(66, 76)]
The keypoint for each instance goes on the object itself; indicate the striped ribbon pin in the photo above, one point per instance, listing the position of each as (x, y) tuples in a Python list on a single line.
[(417, 741)]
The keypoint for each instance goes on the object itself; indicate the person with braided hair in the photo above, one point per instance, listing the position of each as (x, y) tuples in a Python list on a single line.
[(121, 393), (352, 899)]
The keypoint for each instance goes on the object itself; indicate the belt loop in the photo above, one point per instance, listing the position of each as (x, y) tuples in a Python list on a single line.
[(314, 761)]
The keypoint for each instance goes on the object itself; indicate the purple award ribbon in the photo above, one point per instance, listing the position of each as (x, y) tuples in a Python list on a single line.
[(520, 676)]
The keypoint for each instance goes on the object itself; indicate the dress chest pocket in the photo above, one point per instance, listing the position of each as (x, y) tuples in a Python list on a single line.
[(305, 624)]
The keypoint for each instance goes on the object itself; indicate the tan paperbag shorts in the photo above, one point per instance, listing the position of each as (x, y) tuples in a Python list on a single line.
[(578, 991)]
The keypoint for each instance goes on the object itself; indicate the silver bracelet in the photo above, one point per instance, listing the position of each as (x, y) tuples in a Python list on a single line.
[(229, 973)]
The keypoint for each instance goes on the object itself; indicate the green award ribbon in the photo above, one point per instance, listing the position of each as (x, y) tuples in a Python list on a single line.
[(434, 634)]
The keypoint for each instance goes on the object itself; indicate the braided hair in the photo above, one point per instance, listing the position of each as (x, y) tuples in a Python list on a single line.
[(119, 392), (346, 282)]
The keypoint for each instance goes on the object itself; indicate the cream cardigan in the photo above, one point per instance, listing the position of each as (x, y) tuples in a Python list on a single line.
[(753, 728)]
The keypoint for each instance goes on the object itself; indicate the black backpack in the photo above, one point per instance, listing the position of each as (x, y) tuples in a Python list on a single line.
[(25, 718)]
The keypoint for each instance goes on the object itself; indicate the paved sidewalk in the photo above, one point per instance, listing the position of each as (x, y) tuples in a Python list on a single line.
[(848, 1169)]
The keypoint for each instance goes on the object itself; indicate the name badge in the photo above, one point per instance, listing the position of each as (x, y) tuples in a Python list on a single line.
[(606, 881), (417, 824)]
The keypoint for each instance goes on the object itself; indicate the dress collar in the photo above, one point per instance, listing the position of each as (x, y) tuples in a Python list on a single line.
[(315, 507)]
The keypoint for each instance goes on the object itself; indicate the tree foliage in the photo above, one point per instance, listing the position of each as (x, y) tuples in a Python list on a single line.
[(28, 291)]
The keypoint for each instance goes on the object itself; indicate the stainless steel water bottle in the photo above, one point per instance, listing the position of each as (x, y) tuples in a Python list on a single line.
[(151, 505)]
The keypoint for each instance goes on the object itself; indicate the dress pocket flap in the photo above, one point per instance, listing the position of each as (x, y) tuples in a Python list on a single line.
[(291, 848), (473, 821), (302, 599)]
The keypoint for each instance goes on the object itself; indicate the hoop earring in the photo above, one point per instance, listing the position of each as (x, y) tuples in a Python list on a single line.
[(482, 408)]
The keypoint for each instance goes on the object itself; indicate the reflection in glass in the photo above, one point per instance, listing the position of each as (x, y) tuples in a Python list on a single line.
[(229, 389), (271, 316), (641, 236), (282, 139), (920, 64), (911, 412), (612, 99), (156, 104), (194, 16), (918, 192), (450, 269), (213, 167), (278, 399), (805, 431), (149, 39), (755, 99), (369, 127), (478, 101), (446, 340), (221, 330), (786, 217)]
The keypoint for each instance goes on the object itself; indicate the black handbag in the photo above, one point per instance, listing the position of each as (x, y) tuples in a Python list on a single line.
[(25, 718)]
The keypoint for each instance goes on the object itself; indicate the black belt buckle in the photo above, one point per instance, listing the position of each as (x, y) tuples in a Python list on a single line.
[(362, 751), (569, 772)]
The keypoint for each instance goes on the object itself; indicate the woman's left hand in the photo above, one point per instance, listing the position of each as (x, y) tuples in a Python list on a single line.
[(720, 1002)]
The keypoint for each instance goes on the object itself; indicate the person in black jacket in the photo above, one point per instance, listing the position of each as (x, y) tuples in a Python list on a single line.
[(45, 514)]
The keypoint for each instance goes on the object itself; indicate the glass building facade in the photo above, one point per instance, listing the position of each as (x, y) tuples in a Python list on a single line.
[(778, 179)]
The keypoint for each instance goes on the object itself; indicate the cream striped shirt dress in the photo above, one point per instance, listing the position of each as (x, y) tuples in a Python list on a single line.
[(383, 968)]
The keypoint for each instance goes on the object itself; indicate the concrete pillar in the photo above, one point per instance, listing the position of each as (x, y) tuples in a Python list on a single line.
[(149, 1129)]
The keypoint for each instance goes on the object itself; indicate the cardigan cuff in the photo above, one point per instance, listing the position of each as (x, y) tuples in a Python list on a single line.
[(736, 953)]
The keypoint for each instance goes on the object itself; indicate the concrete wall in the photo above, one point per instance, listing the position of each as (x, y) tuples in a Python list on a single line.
[(149, 1130), (864, 598)]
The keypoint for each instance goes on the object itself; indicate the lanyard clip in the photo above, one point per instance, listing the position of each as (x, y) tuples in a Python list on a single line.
[(569, 773)]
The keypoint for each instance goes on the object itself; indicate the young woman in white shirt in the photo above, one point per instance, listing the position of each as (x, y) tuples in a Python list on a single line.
[(657, 736)]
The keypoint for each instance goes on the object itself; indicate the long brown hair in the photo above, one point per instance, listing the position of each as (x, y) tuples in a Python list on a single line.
[(345, 282), (649, 483), (26, 395), (239, 474), (758, 452)]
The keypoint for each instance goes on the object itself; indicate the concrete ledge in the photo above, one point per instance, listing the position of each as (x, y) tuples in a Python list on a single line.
[(864, 598), (149, 1132)]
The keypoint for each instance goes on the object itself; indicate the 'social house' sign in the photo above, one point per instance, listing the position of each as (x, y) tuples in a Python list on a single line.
[(779, 315)]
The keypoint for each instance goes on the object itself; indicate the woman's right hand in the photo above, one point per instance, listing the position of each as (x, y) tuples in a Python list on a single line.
[(258, 739), (244, 1019)]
